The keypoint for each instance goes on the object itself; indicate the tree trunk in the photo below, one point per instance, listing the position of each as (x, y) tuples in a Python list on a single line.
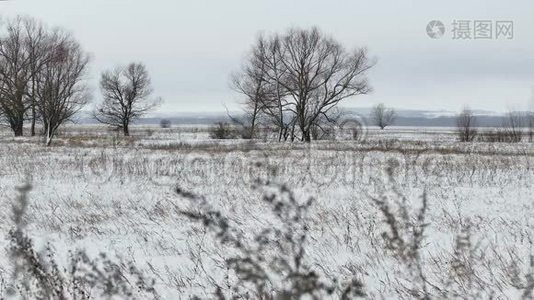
[(125, 130), (253, 121), (48, 136), (34, 113), (306, 136), (18, 128), (33, 120), (252, 127)]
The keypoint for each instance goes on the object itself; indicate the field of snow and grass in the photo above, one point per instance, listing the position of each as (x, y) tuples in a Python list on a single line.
[(407, 212)]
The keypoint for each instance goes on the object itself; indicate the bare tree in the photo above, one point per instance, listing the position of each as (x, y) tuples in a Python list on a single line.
[(530, 118), (530, 123), (513, 125), (252, 83), (278, 106), (383, 116), (304, 74), (14, 74), (23, 53), (260, 80), (466, 125), (126, 92), (60, 86), (320, 73), (38, 40), (326, 125)]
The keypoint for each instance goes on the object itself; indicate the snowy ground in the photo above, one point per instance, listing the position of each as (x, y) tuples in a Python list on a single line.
[(104, 193)]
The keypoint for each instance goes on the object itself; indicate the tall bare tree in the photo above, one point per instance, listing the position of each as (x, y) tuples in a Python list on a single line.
[(126, 92), (466, 125), (14, 74), (61, 90), (383, 116), (252, 83), (277, 105), (259, 80), (304, 74), (320, 74), (38, 40), (23, 54)]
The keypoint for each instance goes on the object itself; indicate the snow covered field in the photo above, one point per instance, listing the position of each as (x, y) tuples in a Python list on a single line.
[(104, 193)]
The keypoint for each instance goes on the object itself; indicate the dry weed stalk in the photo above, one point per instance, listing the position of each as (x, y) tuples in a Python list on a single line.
[(37, 275), (262, 275)]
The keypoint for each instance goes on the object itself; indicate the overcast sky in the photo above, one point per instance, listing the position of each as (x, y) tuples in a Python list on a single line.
[(191, 47)]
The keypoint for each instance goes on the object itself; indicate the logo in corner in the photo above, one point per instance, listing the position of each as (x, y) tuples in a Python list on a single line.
[(435, 29)]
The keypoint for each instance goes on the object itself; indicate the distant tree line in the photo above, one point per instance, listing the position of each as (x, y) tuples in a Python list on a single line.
[(43, 79)]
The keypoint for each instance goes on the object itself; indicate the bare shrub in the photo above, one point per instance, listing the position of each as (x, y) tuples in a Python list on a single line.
[(464, 272), (515, 274), (165, 123), (513, 125), (499, 135), (222, 130), (466, 125), (511, 130), (405, 233)]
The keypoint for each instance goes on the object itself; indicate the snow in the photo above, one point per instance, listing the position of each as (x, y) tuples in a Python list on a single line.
[(116, 195)]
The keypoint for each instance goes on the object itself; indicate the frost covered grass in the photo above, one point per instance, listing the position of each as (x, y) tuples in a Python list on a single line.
[(406, 213)]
